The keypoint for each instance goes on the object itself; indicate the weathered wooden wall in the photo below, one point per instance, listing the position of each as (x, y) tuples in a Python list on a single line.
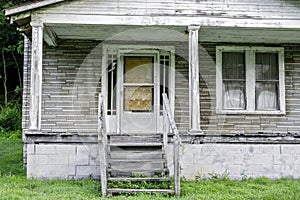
[(26, 83), (71, 82), (276, 9)]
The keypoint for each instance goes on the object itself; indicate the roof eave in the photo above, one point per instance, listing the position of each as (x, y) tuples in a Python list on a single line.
[(31, 6)]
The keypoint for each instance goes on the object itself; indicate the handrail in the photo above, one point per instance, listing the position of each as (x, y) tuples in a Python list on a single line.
[(102, 141), (168, 115)]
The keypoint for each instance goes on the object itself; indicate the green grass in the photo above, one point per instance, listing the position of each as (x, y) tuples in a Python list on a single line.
[(14, 185), (11, 157)]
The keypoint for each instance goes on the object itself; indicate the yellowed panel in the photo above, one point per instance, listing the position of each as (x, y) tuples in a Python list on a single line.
[(138, 98), (138, 69)]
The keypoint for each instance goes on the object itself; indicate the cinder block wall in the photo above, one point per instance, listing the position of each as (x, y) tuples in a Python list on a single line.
[(238, 161), (63, 161), (235, 161)]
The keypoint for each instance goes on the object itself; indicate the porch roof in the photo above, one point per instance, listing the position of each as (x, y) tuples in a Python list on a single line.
[(30, 6), (60, 25)]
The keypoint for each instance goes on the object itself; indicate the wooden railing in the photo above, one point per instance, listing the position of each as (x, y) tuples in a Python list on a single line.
[(169, 123), (102, 141), (169, 126)]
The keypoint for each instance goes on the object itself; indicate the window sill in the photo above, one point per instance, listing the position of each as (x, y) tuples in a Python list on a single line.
[(245, 112)]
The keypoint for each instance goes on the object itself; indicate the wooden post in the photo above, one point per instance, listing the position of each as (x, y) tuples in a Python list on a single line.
[(177, 164), (102, 141), (165, 126), (176, 149), (194, 79), (36, 76)]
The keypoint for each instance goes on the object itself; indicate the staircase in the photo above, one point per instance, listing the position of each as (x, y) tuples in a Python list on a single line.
[(137, 160), (133, 163)]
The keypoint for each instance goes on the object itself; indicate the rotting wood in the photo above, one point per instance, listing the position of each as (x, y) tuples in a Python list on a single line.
[(125, 179), (162, 191), (257, 138), (177, 142), (102, 141), (59, 18)]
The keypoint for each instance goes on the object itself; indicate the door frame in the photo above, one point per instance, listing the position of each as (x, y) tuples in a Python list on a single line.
[(113, 121), (120, 86)]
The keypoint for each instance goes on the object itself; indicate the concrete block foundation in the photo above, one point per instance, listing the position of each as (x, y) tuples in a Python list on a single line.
[(237, 161), (63, 161)]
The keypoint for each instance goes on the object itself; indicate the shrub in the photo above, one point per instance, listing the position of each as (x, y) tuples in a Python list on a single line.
[(11, 117)]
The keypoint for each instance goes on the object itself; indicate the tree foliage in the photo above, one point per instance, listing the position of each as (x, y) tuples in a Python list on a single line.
[(11, 59)]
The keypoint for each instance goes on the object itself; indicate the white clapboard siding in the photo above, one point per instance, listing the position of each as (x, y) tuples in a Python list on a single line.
[(71, 82), (267, 9)]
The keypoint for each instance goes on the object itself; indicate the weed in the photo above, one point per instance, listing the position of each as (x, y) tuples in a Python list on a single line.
[(139, 185), (212, 176), (10, 117)]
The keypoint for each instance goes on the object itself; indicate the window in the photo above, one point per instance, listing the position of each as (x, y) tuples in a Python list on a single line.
[(250, 80), (111, 84), (138, 76), (164, 78)]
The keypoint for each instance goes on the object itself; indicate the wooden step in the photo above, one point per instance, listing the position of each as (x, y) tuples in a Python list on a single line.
[(135, 149), (156, 170), (134, 164), (135, 138), (113, 160), (142, 144), (134, 191), (153, 135), (113, 172), (134, 155), (147, 179)]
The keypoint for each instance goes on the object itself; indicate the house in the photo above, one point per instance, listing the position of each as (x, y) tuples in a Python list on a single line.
[(230, 71)]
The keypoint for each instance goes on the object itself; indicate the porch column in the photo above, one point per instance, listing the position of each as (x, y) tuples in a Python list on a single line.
[(194, 79), (36, 77)]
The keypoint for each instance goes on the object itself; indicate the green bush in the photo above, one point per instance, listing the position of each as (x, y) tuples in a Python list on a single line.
[(10, 118)]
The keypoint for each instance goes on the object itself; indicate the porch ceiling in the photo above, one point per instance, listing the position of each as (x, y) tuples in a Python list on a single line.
[(119, 32), (175, 33), (250, 35)]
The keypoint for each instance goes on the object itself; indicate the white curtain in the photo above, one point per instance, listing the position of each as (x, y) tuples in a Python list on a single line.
[(233, 75), (266, 96), (267, 79), (233, 95)]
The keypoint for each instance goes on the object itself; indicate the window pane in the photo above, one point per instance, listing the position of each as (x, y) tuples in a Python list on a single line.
[(138, 69), (233, 65), (111, 84), (234, 95), (267, 80), (266, 96), (233, 75), (138, 99), (266, 66), (164, 78)]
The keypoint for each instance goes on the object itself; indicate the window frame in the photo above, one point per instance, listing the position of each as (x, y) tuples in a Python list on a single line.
[(250, 53)]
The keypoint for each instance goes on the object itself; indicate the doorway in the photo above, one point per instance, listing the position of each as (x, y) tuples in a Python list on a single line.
[(135, 78), (138, 94)]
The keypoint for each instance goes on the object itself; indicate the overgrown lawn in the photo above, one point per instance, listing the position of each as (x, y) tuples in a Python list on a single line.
[(11, 157), (14, 185)]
